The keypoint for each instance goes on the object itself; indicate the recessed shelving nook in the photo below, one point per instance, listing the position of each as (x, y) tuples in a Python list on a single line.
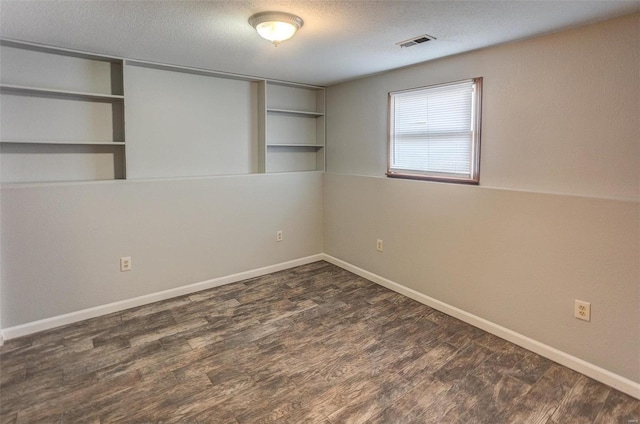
[(295, 127), (63, 116)]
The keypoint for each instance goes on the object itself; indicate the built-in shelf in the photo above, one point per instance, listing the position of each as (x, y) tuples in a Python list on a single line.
[(63, 119), (294, 127), (295, 112), (191, 70), (62, 115), (20, 89), (78, 143)]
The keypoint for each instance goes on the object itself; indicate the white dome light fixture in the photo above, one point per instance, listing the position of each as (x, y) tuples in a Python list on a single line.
[(276, 26)]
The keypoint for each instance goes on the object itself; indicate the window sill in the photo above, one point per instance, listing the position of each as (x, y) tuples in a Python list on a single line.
[(433, 178)]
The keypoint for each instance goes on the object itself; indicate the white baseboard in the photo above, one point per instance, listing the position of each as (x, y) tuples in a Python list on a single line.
[(48, 323), (600, 374)]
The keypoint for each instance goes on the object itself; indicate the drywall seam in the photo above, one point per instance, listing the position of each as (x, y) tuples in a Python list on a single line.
[(600, 374), (52, 322)]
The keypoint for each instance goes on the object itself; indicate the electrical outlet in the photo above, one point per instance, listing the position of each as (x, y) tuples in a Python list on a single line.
[(379, 245), (582, 310), (125, 264), (279, 235)]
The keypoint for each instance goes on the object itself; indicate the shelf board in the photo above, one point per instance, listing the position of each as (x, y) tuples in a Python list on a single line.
[(26, 184), (295, 85), (80, 143), (25, 45), (294, 112), (191, 70), (310, 146), (20, 89)]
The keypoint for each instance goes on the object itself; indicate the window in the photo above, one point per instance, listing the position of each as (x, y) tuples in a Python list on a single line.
[(434, 132)]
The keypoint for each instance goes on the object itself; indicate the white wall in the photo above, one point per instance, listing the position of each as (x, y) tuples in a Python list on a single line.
[(180, 124), (61, 243), (1, 267), (556, 217)]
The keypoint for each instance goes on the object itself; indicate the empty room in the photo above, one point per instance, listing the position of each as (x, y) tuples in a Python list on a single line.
[(326, 212)]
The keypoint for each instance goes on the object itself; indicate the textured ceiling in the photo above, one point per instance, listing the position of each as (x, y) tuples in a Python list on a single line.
[(340, 40)]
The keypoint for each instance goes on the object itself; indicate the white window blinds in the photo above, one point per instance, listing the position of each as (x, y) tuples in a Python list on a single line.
[(434, 132)]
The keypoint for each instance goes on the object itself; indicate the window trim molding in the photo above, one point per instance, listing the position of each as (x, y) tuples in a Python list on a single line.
[(475, 160)]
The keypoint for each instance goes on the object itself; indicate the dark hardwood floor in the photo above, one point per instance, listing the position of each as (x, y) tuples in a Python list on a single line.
[(314, 344)]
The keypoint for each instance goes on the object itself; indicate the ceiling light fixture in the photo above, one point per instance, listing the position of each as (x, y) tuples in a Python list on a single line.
[(276, 26)]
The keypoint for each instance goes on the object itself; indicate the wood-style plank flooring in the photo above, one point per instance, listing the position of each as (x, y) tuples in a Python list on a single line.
[(313, 344)]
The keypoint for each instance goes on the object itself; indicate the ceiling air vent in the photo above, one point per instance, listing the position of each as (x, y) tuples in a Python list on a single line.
[(415, 40)]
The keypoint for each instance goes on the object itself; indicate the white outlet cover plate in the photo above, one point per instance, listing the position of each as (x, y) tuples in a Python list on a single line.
[(125, 264), (582, 310)]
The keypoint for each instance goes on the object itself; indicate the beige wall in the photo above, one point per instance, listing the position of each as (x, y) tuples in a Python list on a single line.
[(61, 244), (560, 112), (556, 217)]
